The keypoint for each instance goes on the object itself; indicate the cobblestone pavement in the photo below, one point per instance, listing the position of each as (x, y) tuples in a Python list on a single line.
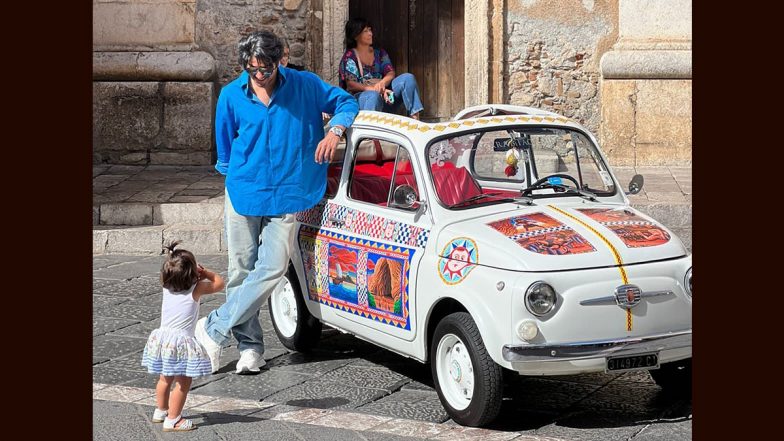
[(346, 389)]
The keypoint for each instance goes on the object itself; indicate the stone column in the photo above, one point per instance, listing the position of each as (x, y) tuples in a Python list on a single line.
[(152, 87), (646, 85), (334, 18), (477, 52)]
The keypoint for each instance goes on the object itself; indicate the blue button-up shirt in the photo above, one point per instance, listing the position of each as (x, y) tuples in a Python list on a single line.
[(267, 152)]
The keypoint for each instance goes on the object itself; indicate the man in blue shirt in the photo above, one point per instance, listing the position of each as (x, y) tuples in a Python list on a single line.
[(274, 154)]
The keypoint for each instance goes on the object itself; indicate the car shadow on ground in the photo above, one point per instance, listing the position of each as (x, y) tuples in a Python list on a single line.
[(578, 401)]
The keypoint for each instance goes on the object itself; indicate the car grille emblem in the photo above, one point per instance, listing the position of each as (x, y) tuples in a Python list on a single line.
[(627, 296)]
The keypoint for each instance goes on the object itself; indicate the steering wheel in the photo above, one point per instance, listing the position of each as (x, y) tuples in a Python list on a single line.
[(544, 183)]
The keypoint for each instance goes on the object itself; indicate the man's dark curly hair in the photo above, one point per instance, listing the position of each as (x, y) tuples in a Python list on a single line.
[(264, 46)]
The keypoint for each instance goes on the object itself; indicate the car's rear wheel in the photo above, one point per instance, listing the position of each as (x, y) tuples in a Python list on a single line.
[(674, 376), (294, 325), (468, 381)]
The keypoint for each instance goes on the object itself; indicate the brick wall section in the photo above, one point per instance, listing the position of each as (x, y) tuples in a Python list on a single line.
[(553, 52), (221, 24)]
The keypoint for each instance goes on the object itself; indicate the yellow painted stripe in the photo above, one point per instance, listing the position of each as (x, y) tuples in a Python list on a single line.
[(613, 250)]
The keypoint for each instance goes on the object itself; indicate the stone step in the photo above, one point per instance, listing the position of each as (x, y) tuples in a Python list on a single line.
[(145, 213), (125, 239)]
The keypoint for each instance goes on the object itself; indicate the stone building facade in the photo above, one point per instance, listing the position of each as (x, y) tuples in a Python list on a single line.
[(620, 67)]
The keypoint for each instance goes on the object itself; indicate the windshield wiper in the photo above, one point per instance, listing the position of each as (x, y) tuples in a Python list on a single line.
[(583, 193)]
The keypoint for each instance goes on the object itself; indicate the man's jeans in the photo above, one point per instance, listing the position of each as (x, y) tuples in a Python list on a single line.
[(405, 88), (259, 248)]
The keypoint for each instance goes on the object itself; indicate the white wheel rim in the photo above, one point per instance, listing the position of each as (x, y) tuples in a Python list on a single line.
[(284, 308), (455, 371)]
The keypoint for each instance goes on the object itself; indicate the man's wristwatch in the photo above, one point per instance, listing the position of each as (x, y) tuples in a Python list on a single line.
[(336, 130)]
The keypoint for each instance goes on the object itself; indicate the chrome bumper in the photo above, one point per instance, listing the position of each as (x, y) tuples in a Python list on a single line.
[(596, 349)]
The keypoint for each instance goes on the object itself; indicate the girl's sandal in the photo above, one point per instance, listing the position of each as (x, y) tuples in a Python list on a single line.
[(159, 415), (185, 425)]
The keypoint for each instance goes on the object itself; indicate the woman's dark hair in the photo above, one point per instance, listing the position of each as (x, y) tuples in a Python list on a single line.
[(179, 271), (354, 27), (264, 46)]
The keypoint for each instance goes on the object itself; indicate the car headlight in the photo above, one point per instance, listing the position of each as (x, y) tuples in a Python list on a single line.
[(687, 282), (540, 298)]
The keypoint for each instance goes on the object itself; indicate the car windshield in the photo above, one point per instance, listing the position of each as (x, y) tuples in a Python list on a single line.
[(493, 166)]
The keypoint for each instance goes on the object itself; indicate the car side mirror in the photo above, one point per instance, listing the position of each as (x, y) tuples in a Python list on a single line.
[(635, 185), (405, 196)]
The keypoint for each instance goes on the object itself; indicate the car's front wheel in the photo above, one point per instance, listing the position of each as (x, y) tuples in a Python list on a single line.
[(674, 376), (468, 381), (295, 326)]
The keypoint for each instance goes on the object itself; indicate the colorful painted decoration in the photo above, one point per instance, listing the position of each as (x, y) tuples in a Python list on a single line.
[(633, 230), (462, 257), (364, 224), (540, 233), (365, 278)]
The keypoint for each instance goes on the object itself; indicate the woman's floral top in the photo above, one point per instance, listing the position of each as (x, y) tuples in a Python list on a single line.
[(348, 69)]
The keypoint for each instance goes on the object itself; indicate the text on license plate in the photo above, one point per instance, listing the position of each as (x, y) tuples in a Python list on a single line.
[(633, 362)]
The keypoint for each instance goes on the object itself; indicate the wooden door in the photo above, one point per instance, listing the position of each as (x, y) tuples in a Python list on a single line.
[(425, 38)]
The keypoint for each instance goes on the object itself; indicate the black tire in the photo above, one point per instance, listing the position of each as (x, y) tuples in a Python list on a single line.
[(308, 328), (674, 377), (488, 377)]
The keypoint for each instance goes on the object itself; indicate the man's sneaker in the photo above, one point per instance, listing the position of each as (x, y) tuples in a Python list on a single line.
[(250, 362), (213, 349)]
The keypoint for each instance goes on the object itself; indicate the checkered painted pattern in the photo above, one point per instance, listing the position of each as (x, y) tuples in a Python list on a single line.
[(609, 224), (311, 216), (422, 237), (402, 234), (362, 291), (538, 232), (322, 267), (363, 223), (376, 227)]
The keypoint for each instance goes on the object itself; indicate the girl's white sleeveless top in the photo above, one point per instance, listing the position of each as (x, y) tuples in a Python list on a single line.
[(179, 310)]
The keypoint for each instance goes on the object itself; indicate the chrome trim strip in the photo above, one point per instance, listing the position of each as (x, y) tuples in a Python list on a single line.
[(610, 300), (666, 292), (596, 348), (607, 300)]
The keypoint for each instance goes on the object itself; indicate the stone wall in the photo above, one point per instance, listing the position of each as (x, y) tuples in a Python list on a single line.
[(221, 24), (646, 85), (552, 55), (158, 66)]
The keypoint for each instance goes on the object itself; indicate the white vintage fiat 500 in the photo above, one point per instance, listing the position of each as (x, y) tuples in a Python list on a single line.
[(500, 239)]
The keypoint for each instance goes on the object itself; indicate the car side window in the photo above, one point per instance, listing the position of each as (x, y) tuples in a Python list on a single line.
[(334, 170), (380, 167)]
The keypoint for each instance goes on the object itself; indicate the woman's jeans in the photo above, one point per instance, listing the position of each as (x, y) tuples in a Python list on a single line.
[(404, 86), (259, 248)]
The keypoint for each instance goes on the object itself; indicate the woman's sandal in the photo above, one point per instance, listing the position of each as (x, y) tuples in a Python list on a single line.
[(184, 426)]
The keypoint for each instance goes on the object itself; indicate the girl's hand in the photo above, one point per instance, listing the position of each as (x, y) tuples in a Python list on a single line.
[(379, 87), (200, 271)]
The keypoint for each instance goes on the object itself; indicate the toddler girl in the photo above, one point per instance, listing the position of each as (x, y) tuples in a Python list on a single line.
[(172, 350)]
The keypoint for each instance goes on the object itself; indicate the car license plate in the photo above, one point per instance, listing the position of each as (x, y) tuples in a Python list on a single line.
[(633, 362)]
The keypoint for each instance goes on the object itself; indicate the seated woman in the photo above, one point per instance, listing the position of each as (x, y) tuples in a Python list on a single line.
[(368, 74)]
